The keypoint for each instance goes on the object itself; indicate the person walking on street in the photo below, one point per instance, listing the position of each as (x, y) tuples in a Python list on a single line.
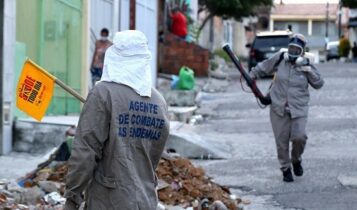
[(121, 133), (354, 52), (101, 46), (290, 98)]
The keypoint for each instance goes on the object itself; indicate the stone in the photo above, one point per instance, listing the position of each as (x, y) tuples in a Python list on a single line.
[(10, 201), (218, 205), (174, 208), (3, 198), (32, 195), (5, 192), (160, 206), (54, 198), (49, 186), (161, 184), (22, 207), (14, 187), (196, 119)]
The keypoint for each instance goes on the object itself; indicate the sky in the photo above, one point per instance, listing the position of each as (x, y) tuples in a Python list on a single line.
[(307, 1)]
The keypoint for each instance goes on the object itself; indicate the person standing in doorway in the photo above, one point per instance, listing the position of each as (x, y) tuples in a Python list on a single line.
[(101, 46)]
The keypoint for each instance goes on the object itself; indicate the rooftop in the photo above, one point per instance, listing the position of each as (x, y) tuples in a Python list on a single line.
[(303, 11)]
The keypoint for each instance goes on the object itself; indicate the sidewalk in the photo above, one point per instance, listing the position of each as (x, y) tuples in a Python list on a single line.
[(18, 164)]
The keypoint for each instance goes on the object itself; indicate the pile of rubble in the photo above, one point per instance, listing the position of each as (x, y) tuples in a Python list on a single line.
[(42, 190), (181, 185)]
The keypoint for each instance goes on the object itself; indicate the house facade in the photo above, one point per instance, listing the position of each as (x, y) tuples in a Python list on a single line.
[(317, 22)]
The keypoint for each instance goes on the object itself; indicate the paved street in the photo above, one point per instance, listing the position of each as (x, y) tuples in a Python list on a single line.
[(234, 119)]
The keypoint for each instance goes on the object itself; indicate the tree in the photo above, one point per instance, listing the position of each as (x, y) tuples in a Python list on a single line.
[(349, 3), (236, 9)]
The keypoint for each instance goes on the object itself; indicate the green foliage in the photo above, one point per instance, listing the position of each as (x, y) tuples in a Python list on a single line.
[(344, 47), (222, 54), (183, 6), (193, 31), (349, 3)]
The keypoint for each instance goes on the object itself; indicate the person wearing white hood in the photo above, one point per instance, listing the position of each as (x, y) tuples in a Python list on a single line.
[(121, 133)]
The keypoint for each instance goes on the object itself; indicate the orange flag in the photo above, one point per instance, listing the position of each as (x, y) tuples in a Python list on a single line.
[(34, 90)]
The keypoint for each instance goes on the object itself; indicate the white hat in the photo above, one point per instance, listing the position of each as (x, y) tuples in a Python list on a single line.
[(128, 62)]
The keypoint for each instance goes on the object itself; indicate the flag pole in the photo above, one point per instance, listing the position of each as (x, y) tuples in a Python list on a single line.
[(59, 82), (70, 90)]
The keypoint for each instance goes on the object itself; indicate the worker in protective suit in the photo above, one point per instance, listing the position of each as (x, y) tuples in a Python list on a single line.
[(121, 133), (289, 94)]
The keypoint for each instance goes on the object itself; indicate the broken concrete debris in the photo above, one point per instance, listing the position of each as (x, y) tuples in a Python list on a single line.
[(181, 186), (187, 184)]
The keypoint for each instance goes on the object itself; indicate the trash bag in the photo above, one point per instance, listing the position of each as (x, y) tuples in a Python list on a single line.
[(186, 79), (174, 81)]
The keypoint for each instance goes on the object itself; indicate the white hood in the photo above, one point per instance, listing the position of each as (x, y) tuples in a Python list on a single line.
[(128, 61)]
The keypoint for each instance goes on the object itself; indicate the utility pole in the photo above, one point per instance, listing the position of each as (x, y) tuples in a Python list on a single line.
[(327, 20)]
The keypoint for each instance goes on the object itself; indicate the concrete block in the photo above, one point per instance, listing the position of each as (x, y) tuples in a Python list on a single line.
[(35, 137), (182, 114), (32, 195), (188, 143), (49, 186), (180, 97)]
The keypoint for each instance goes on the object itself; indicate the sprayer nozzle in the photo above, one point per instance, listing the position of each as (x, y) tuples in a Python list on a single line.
[(225, 45)]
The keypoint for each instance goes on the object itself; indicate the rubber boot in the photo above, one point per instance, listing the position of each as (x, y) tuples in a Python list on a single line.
[(287, 175), (298, 170)]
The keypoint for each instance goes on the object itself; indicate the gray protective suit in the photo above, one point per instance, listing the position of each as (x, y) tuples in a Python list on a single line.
[(118, 144), (290, 102)]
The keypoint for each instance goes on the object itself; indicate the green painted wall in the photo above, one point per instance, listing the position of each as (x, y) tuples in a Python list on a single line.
[(52, 31), (20, 58)]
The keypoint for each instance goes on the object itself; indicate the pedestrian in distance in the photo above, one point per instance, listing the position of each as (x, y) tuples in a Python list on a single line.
[(101, 46), (289, 93), (178, 23), (121, 133), (354, 52)]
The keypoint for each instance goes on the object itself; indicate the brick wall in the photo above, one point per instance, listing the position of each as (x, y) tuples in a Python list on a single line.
[(177, 53)]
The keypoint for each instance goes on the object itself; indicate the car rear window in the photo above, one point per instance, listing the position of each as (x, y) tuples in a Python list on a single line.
[(271, 41)]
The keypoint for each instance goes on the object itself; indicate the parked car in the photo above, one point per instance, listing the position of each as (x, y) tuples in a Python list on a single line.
[(332, 50), (266, 44)]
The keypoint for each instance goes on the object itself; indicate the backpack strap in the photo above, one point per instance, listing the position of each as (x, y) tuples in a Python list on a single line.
[(281, 57)]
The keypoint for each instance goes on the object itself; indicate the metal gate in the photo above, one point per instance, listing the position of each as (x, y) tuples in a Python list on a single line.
[(52, 32)]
